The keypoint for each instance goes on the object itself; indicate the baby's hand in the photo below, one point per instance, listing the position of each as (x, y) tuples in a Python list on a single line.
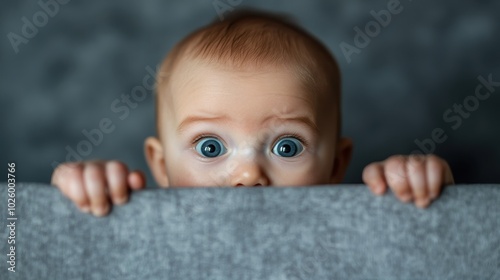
[(417, 177), (91, 185)]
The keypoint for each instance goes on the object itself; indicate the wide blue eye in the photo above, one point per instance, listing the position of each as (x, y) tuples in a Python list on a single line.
[(210, 147), (288, 147)]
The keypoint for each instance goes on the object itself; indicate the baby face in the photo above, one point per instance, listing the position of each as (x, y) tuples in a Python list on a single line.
[(257, 127)]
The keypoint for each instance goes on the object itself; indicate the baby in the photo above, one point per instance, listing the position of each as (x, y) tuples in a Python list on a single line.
[(250, 101)]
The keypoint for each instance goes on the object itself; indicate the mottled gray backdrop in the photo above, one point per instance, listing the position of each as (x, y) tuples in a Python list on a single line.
[(76, 59)]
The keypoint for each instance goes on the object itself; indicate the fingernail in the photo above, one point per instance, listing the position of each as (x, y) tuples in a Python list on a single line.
[(85, 209), (121, 200), (423, 202), (101, 211), (406, 197)]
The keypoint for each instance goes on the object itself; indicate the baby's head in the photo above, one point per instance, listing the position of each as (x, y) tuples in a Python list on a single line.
[(252, 100)]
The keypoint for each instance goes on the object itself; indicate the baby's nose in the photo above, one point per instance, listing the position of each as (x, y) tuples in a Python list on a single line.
[(249, 174)]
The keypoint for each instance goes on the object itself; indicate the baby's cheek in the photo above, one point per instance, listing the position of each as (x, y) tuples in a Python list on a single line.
[(311, 177), (191, 176), (303, 175)]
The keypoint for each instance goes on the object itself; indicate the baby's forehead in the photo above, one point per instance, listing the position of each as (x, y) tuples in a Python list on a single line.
[(248, 96), (195, 77)]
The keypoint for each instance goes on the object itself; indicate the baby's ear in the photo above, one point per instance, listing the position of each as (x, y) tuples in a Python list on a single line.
[(342, 159), (155, 157)]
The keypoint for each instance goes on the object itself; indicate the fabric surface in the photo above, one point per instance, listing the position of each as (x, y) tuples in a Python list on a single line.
[(341, 232)]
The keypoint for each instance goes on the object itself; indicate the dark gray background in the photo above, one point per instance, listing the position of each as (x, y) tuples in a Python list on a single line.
[(395, 91)]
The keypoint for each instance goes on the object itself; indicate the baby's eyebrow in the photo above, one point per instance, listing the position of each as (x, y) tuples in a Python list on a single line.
[(304, 120), (194, 119)]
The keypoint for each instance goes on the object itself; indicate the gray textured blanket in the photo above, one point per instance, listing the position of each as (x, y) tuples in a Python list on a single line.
[(338, 232)]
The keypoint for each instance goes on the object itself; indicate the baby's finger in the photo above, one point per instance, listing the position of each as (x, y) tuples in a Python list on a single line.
[(435, 175), (95, 184), (69, 179), (397, 179), (417, 176), (373, 177), (116, 173), (137, 180), (448, 175)]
